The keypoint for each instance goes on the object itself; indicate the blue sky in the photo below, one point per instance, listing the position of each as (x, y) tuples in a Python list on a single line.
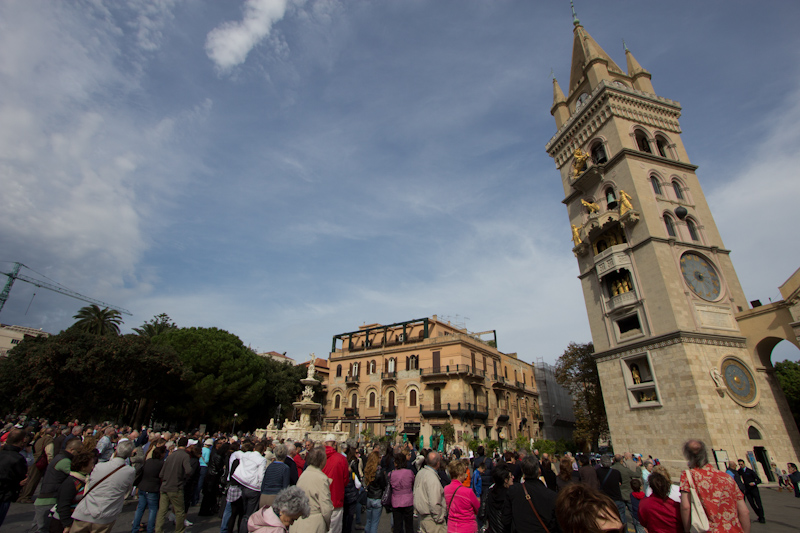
[(290, 170)]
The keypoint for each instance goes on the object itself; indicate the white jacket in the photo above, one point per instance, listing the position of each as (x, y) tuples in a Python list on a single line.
[(250, 472)]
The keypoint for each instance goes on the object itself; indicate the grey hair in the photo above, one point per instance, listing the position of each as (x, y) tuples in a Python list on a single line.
[(124, 449), (647, 462), (280, 452), (292, 501), (696, 453), (317, 457), (605, 461), (289, 447), (433, 459)]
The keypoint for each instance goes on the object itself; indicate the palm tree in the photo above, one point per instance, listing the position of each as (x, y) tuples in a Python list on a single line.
[(156, 326), (92, 319)]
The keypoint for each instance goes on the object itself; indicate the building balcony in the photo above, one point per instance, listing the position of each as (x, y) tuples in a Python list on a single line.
[(389, 376), (612, 258), (464, 411), (444, 371), (500, 381), (500, 414), (350, 412), (351, 380), (620, 301), (389, 412)]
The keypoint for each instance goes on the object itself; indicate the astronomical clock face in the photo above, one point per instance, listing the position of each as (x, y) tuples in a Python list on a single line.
[(739, 381), (700, 276)]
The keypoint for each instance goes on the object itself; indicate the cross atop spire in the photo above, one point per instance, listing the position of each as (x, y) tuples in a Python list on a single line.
[(575, 20), (624, 46)]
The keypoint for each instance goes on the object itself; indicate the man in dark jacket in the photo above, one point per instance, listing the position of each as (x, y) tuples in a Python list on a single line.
[(750, 480), (517, 513), (57, 471), (174, 474), (13, 470), (293, 470), (611, 485)]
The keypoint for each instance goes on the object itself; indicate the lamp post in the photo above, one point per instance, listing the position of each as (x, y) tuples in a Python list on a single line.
[(233, 430)]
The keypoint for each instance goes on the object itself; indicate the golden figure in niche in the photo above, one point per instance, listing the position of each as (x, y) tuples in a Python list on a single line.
[(579, 163), (576, 237), (637, 377), (625, 204), (591, 206)]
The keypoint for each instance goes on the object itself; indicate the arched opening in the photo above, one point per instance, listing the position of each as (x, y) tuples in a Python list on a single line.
[(372, 399), (338, 371), (354, 401), (692, 227), (599, 156), (663, 146), (611, 198), (412, 398), (656, 186), (753, 433), (642, 143), (670, 225), (676, 186), (337, 402), (391, 401)]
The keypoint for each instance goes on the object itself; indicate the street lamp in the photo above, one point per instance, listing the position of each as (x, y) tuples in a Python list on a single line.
[(233, 430)]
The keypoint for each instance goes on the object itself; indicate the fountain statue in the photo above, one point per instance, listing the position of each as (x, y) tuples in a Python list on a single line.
[(301, 429)]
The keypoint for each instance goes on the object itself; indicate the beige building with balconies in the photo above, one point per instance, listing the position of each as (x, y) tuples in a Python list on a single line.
[(411, 377)]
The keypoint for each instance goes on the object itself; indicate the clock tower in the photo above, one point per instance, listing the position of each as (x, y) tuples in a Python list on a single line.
[(660, 290)]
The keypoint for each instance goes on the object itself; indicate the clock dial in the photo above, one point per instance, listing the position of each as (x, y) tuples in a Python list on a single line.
[(700, 276), (739, 381)]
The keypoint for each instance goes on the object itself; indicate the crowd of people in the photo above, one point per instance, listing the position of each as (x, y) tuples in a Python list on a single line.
[(84, 474)]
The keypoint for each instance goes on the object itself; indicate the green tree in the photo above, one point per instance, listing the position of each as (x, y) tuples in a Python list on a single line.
[(281, 387), (576, 370), (222, 377), (788, 374), (78, 374), (448, 433), (92, 319), (156, 326)]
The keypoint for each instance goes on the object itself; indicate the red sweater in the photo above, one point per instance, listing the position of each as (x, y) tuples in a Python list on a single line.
[(337, 470)]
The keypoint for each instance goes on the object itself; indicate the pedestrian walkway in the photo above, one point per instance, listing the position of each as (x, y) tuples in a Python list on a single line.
[(782, 510)]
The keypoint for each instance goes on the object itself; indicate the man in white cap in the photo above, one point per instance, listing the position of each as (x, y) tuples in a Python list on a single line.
[(338, 471)]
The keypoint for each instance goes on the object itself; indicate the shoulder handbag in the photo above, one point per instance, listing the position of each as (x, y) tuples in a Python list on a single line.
[(698, 519), (528, 497), (452, 498), (386, 498), (104, 478)]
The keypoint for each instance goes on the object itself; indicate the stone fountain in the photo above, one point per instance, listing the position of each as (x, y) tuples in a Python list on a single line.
[(301, 430)]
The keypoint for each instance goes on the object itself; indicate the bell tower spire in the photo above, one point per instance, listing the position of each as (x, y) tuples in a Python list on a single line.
[(639, 76)]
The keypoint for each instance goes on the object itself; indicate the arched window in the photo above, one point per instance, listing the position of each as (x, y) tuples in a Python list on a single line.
[(676, 186), (515, 376), (663, 146), (611, 198), (599, 154), (372, 399), (414, 362), (354, 401), (753, 433), (670, 224), (505, 372), (354, 371), (391, 400), (656, 186), (412, 398), (338, 371), (337, 402), (690, 225), (373, 366), (391, 364), (642, 143)]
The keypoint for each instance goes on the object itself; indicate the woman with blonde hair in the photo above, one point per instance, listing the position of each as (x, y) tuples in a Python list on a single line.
[(375, 482)]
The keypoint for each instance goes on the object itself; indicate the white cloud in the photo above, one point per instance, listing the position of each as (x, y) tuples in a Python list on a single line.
[(228, 44)]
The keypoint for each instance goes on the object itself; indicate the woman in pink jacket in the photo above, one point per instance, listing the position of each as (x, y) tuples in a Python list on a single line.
[(290, 504), (462, 504), (402, 481)]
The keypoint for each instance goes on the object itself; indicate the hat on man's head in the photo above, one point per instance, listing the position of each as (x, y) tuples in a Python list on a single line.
[(208, 442), (329, 438)]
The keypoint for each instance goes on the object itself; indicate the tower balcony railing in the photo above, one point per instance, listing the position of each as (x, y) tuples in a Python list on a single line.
[(350, 412), (351, 380), (622, 300), (389, 411), (446, 370), (390, 376)]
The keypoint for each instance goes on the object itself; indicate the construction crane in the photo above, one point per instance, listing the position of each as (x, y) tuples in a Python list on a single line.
[(15, 275)]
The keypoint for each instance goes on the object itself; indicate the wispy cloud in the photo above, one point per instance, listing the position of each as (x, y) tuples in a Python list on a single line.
[(228, 44)]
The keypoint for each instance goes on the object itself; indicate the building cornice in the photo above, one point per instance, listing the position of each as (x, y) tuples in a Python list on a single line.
[(676, 337)]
